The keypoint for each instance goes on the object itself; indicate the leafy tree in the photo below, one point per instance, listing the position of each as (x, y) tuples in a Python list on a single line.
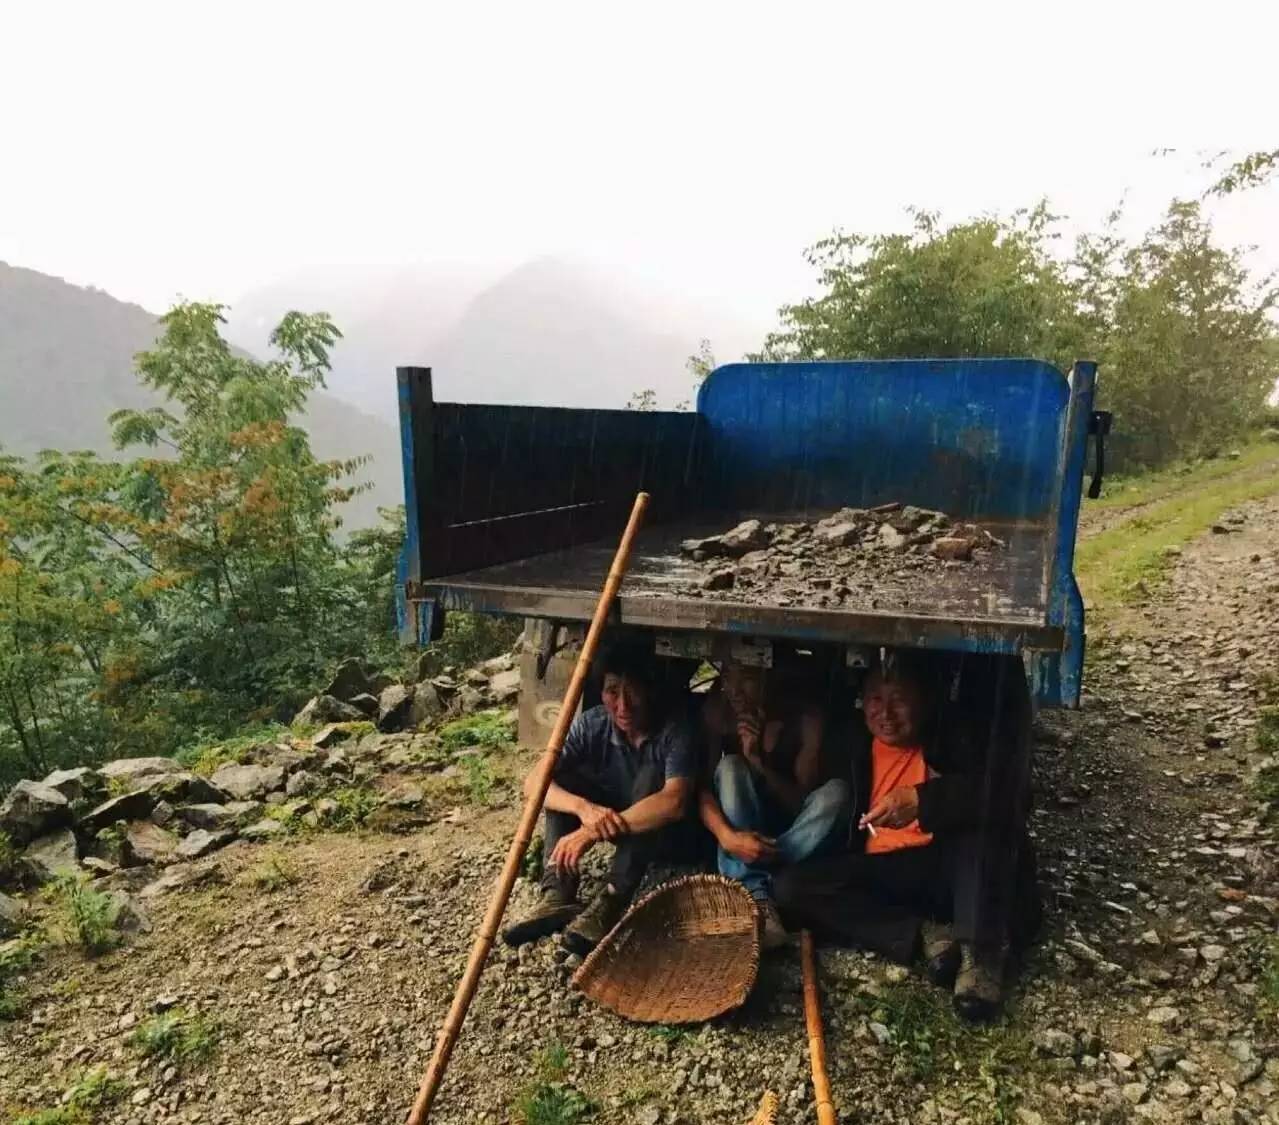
[(983, 287), (1251, 171)]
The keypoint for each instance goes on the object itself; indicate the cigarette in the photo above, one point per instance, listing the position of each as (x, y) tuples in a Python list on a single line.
[(870, 828)]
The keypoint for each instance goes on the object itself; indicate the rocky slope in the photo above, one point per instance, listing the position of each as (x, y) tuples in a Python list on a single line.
[(1152, 995)]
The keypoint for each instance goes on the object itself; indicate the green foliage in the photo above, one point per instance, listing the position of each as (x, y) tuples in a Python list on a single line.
[(356, 804), (490, 730), (62, 1115), (96, 1089), (83, 916), (479, 779), (533, 865), (1184, 335), (274, 873), (205, 756), (1251, 171), (468, 639), (548, 1100), (8, 858), (16, 956), (177, 1036), (668, 1034), (193, 585)]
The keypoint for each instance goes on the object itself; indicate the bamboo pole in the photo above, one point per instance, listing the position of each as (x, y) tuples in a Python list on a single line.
[(816, 1040), (487, 932)]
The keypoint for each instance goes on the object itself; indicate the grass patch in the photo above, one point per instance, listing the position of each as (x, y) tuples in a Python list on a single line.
[(928, 1041), (176, 1036), (548, 1099), (489, 730), (1142, 488), (668, 1034), (96, 1089), (16, 956), (83, 917), (274, 873), (8, 858), (479, 780), (1115, 566), (207, 756), (355, 805)]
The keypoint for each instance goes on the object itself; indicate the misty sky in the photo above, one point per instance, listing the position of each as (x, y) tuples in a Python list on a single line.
[(202, 149)]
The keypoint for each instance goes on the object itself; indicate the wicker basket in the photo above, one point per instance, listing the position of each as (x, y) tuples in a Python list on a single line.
[(687, 952)]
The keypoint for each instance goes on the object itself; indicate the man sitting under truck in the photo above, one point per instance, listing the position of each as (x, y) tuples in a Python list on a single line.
[(625, 775), (943, 853), (772, 799)]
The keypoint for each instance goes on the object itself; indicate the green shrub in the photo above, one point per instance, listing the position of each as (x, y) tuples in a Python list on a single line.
[(479, 780), (355, 805), (84, 917), (63, 1115), (488, 730), (177, 1036), (96, 1089), (273, 874), (208, 755), (16, 956), (548, 1100), (8, 859)]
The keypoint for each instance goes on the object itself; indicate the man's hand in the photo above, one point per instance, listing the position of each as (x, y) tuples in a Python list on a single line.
[(569, 850), (750, 738), (751, 847), (895, 809), (602, 822)]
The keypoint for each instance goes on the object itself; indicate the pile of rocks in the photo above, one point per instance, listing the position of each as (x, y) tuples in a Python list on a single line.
[(848, 543), (353, 695), (154, 812)]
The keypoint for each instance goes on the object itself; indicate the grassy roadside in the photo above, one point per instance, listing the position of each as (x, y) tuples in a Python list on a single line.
[(1128, 559), (1130, 492)]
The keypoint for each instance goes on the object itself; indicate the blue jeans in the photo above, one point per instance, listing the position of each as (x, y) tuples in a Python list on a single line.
[(820, 824)]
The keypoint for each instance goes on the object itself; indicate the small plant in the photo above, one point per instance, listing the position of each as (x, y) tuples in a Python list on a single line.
[(273, 874), (177, 1036), (355, 805), (63, 1115), (479, 780), (206, 756), (8, 858), (96, 1089), (533, 865), (668, 1034), (489, 730), (85, 917), (548, 1100), (16, 956)]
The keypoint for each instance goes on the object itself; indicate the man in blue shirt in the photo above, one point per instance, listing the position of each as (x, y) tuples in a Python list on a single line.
[(626, 773)]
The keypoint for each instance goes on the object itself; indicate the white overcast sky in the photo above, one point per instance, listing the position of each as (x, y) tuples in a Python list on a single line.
[(204, 148)]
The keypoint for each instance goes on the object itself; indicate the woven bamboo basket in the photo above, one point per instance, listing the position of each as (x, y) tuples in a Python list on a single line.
[(685, 953)]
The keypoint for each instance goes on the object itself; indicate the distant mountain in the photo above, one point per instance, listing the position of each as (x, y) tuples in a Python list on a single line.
[(66, 362), (551, 332)]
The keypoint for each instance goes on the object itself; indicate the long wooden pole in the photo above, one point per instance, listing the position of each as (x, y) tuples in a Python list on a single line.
[(816, 1040), (487, 933)]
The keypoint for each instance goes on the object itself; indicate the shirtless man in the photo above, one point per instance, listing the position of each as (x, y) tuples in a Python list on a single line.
[(772, 799)]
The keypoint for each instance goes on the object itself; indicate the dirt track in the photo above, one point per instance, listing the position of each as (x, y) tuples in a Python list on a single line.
[(1141, 1002)]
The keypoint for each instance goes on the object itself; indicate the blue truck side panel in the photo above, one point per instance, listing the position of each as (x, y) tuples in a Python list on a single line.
[(976, 438)]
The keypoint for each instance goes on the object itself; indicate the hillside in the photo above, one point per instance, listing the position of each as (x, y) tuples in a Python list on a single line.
[(551, 332), (66, 362)]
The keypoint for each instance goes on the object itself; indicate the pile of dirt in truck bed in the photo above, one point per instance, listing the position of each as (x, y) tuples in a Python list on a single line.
[(822, 563)]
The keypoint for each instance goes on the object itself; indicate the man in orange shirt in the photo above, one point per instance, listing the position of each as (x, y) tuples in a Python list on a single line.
[(942, 794)]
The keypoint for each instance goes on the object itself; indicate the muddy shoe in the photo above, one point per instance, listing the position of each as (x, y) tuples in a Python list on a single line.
[(589, 927), (772, 934), (553, 912), (941, 953), (979, 988)]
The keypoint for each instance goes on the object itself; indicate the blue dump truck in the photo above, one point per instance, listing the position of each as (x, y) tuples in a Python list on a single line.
[(517, 510)]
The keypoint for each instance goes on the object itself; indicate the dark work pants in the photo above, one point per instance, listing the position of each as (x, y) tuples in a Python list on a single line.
[(877, 901), (633, 853)]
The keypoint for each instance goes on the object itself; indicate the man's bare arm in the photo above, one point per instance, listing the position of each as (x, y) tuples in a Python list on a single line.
[(664, 807)]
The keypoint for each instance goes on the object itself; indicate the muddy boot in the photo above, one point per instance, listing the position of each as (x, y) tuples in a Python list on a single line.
[(556, 908), (603, 913), (940, 953), (979, 988), (772, 934)]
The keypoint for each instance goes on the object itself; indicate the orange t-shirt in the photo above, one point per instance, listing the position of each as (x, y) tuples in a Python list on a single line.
[(890, 768)]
